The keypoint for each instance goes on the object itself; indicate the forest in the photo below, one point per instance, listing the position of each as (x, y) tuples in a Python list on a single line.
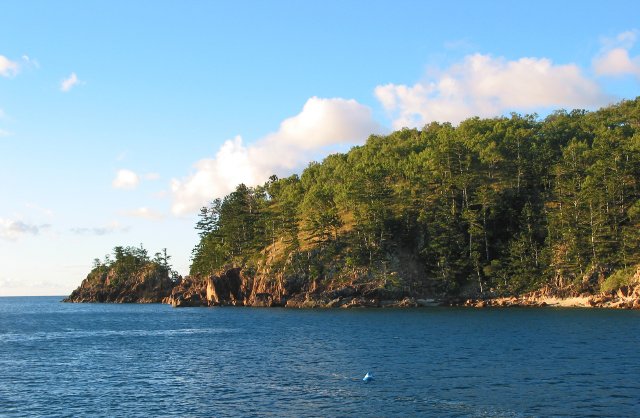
[(495, 206)]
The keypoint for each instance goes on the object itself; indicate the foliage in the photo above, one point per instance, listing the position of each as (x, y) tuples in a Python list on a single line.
[(128, 261), (618, 279), (498, 205)]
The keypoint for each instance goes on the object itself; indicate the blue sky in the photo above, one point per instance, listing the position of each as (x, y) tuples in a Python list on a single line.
[(119, 119)]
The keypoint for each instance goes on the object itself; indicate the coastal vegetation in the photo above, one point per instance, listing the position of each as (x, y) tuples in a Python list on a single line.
[(130, 275), (505, 211), (491, 207)]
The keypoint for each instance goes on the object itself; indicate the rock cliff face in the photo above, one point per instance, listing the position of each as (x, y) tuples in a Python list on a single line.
[(149, 284), (234, 288)]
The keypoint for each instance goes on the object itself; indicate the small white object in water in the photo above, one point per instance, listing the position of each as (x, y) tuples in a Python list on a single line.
[(367, 377)]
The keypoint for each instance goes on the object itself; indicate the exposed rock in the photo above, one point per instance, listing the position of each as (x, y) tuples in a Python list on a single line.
[(623, 292), (261, 290), (148, 284), (191, 291), (308, 300), (263, 300), (226, 289)]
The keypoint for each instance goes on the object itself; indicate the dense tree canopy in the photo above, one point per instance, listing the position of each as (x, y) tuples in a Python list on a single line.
[(501, 205)]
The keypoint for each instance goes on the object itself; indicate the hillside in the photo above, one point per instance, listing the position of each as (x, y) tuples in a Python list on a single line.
[(492, 207)]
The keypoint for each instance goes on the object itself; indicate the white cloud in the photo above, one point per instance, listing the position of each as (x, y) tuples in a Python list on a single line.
[(4, 133), (101, 230), (484, 86), (8, 68), (614, 60), (69, 82), (321, 125), (11, 230), (126, 179), (144, 213)]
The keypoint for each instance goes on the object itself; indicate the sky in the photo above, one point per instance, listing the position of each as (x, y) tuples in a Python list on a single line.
[(120, 119)]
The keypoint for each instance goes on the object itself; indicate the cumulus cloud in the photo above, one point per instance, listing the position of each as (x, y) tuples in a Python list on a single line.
[(100, 230), (486, 86), (68, 83), (144, 213), (8, 68), (11, 230), (126, 179), (322, 125), (615, 58)]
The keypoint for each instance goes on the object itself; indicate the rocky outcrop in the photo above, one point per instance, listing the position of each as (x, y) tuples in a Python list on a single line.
[(234, 288), (626, 297), (227, 289), (190, 291), (148, 284)]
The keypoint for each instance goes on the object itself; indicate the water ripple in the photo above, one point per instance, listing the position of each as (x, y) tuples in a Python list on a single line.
[(141, 360)]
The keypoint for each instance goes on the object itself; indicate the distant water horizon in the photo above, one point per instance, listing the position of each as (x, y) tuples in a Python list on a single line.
[(61, 359)]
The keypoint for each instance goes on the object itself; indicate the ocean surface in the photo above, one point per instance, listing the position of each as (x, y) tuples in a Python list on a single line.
[(60, 359)]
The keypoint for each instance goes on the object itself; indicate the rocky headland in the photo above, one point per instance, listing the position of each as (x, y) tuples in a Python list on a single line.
[(148, 284), (151, 283)]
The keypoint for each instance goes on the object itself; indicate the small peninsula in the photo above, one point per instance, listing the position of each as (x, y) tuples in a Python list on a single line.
[(507, 211)]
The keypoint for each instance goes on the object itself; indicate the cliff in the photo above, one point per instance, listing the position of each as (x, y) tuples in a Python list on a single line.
[(149, 283), (234, 287)]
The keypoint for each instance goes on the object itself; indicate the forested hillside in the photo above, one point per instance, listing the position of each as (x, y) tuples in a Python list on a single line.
[(492, 206)]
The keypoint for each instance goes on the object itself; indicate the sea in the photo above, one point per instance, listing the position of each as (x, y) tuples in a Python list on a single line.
[(66, 360)]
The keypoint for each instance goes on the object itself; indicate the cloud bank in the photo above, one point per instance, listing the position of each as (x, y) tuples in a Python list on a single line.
[(322, 125), (487, 86)]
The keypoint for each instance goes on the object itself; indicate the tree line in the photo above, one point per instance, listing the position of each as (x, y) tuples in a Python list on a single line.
[(500, 205), (126, 261)]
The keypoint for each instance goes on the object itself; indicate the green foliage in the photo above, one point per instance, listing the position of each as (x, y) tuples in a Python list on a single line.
[(129, 261), (503, 205), (618, 279)]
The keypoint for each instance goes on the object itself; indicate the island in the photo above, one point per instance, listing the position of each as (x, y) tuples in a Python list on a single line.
[(507, 211)]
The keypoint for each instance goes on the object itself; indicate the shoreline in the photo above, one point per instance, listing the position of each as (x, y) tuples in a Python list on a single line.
[(577, 302)]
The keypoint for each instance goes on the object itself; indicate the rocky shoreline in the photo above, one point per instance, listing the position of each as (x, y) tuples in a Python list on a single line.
[(234, 288)]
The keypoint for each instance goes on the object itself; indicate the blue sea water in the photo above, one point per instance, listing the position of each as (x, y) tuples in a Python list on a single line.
[(60, 359)]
